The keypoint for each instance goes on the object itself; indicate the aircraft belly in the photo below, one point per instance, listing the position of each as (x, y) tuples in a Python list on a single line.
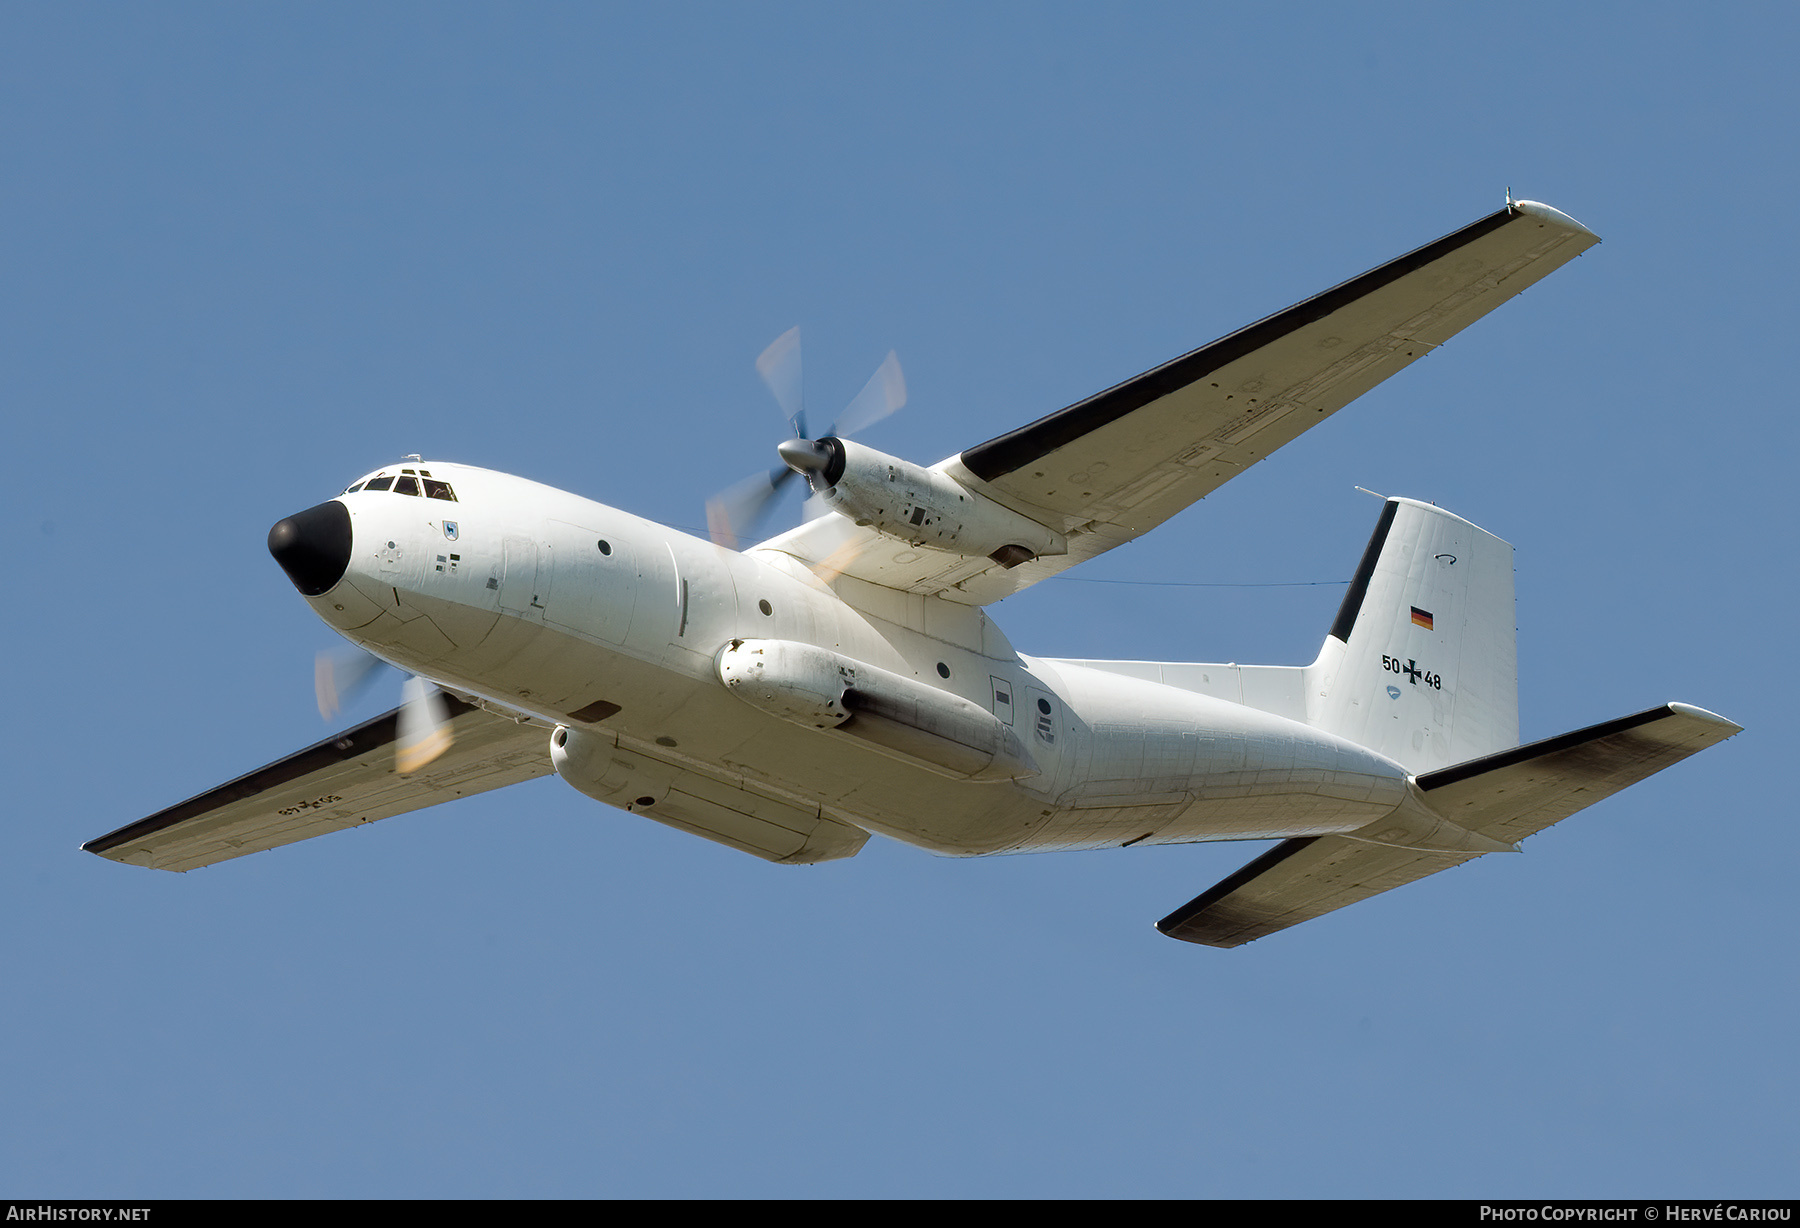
[(1118, 767), (678, 720), (1267, 812), (1157, 764), (1179, 778)]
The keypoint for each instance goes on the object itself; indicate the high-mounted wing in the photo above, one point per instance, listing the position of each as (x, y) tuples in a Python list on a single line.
[(346, 780), (1111, 468), (1507, 796)]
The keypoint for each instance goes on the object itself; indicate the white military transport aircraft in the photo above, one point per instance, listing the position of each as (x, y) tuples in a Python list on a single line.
[(843, 678)]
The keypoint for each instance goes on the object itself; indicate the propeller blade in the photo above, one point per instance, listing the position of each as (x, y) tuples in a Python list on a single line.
[(735, 512), (882, 395), (424, 726), (339, 677), (779, 366), (842, 545)]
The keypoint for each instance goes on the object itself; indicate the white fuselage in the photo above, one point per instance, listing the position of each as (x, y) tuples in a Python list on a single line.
[(555, 606)]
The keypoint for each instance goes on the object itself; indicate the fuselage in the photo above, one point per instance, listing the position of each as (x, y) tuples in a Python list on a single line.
[(614, 628)]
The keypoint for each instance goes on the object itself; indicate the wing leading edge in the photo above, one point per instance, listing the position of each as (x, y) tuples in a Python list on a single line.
[(345, 781), (1109, 469)]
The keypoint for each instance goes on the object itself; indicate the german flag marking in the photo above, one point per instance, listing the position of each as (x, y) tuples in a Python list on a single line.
[(1421, 618)]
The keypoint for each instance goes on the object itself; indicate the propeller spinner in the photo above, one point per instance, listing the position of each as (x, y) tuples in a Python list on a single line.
[(735, 512)]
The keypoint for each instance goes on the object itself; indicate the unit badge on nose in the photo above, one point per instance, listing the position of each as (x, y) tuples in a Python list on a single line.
[(450, 529)]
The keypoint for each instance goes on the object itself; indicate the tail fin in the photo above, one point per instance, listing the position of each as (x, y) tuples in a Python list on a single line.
[(1421, 663)]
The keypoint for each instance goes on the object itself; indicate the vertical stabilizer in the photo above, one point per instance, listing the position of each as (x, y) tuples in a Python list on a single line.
[(1421, 663)]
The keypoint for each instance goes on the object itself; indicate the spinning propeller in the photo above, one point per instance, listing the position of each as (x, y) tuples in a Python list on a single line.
[(735, 512), (424, 720)]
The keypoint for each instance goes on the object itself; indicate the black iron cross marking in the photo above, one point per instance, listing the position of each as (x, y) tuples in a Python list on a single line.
[(1411, 671)]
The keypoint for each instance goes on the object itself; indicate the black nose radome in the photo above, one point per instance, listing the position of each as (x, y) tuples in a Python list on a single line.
[(313, 547)]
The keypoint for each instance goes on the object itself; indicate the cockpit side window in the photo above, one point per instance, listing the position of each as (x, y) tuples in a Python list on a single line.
[(353, 488), (380, 483), (435, 489)]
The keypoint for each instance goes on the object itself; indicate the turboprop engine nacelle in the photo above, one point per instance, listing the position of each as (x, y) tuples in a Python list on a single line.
[(901, 717), (923, 507)]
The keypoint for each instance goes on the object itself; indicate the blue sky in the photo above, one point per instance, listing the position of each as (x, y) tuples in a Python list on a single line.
[(256, 251)]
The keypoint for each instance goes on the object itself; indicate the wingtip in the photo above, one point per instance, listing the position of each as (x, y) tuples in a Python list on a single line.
[(1701, 714), (1556, 217)]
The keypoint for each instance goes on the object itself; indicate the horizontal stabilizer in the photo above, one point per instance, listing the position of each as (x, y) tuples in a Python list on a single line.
[(1519, 792), (1505, 796)]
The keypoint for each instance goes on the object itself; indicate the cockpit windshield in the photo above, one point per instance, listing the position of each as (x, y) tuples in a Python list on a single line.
[(407, 482)]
